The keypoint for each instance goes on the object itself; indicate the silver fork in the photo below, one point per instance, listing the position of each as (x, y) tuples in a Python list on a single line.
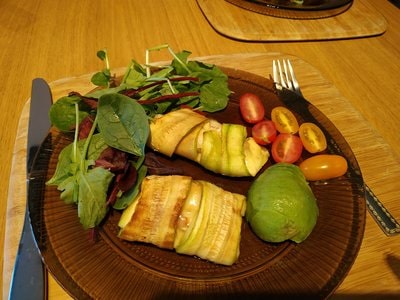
[(284, 77)]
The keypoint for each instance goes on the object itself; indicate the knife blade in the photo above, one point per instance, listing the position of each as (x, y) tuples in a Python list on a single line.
[(382, 216), (395, 3), (29, 279)]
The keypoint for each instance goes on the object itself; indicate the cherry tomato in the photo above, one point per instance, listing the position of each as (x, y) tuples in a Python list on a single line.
[(264, 132), (286, 148), (251, 108), (323, 166), (312, 137), (285, 121)]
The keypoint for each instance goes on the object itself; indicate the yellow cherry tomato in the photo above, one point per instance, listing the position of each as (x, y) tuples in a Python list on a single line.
[(284, 120), (323, 167), (312, 137)]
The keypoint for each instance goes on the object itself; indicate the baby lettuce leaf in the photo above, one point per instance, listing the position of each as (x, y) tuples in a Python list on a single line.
[(98, 93), (81, 184), (93, 187), (135, 75), (123, 123), (180, 64), (212, 84), (103, 78), (214, 95), (214, 90), (66, 167)]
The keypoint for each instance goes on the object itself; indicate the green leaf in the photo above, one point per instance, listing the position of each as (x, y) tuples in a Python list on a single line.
[(214, 96), (100, 92), (123, 123), (102, 54), (179, 68), (63, 167), (214, 90), (67, 188), (127, 197), (161, 74), (66, 168), (93, 187), (135, 75), (100, 79), (62, 113)]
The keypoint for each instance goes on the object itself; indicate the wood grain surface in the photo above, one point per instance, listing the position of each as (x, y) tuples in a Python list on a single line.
[(59, 39), (385, 179), (359, 20)]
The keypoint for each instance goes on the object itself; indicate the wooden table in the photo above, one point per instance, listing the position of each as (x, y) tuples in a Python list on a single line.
[(59, 39)]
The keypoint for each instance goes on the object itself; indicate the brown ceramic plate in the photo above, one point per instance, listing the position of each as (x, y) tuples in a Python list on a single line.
[(306, 5), (116, 269), (311, 9)]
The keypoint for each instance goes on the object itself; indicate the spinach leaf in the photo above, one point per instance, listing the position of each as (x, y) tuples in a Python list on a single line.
[(62, 112), (123, 123)]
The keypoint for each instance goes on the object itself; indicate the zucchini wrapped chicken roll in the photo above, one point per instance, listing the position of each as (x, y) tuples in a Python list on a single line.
[(194, 217), (222, 148)]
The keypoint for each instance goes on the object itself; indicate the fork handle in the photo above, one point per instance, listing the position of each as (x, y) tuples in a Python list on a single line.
[(382, 216)]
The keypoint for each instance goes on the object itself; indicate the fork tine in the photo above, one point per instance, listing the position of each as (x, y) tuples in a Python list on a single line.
[(286, 73), (275, 72), (284, 76), (282, 79), (295, 83)]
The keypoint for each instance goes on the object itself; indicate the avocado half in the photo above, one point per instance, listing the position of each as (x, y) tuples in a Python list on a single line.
[(281, 205)]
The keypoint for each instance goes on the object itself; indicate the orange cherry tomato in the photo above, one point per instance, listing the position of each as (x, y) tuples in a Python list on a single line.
[(312, 137), (285, 121), (323, 167)]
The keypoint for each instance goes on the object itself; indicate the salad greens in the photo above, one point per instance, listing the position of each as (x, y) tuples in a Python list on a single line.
[(123, 123), (103, 78), (81, 184), (104, 165)]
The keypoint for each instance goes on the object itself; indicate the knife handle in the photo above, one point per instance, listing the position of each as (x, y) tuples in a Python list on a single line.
[(382, 216)]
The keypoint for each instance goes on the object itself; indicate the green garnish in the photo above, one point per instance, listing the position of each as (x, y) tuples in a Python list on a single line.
[(119, 114)]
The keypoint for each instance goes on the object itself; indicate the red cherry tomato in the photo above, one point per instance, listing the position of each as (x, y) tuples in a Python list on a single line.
[(264, 132), (285, 121), (323, 166), (286, 148), (251, 108), (312, 137)]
